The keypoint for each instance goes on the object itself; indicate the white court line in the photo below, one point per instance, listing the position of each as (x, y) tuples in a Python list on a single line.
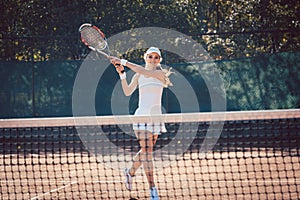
[(60, 188), (117, 181), (54, 190), (47, 193)]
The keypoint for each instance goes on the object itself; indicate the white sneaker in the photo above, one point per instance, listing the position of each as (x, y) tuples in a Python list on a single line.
[(153, 194), (128, 179)]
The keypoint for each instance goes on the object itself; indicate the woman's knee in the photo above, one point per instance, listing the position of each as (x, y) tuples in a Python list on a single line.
[(146, 149)]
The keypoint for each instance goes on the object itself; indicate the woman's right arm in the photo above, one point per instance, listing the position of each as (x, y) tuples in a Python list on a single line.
[(127, 89)]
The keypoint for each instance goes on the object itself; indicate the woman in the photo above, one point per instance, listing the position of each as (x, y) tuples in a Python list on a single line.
[(150, 80)]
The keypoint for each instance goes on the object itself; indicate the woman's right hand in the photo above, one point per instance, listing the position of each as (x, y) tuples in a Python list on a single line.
[(119, 68)]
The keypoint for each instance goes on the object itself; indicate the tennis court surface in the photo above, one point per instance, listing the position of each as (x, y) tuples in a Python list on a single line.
[(255, 156)]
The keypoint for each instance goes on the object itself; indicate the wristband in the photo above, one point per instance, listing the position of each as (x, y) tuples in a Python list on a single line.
[(122, 76), (123, 62)]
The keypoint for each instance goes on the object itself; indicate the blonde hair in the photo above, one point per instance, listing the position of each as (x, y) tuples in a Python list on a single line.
[(167, 73)]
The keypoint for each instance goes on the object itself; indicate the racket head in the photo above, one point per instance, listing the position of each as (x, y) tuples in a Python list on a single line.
[(92, 37)]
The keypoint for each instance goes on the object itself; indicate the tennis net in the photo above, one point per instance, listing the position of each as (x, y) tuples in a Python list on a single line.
[(232, 155)]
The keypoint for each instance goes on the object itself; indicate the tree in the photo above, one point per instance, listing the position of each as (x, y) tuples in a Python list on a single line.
[(47, 30)]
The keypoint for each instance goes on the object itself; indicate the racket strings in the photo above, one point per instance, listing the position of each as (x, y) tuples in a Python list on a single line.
[(93, 38)]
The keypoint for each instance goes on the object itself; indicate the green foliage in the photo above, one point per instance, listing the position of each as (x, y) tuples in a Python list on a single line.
[(47, 30), (41, 30)]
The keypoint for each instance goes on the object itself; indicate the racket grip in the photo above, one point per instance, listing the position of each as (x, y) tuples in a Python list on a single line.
[(122, 70)]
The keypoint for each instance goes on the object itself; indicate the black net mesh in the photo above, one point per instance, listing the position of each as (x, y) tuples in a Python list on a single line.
[(256, 156)]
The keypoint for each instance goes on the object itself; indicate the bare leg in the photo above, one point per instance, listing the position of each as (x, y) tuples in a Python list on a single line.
[(136, 163), (147, 140), (137, 159)]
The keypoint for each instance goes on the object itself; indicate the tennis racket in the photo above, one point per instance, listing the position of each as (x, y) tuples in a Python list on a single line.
[(94, 38)]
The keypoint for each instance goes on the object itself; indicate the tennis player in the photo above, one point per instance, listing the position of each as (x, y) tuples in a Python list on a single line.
[(150, 80)]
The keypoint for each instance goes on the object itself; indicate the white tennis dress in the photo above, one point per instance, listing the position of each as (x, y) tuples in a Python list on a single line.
[(150, 93)]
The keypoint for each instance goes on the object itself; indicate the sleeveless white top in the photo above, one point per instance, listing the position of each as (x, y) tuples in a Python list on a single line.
[(150, 95)]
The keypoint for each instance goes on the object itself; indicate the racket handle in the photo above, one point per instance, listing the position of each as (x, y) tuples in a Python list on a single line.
[(122, 70), (106, 55)]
